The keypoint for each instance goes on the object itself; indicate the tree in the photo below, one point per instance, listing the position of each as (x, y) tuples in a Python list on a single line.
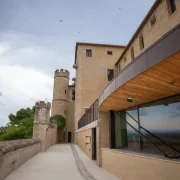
[(20, 126), (2, 130), (59, 120), (21, 114)]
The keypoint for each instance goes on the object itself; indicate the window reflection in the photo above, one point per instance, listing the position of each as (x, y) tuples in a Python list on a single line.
[(161, 118), (133, 136)]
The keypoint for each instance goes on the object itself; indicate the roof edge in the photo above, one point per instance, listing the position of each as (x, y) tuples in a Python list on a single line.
[(148, 15), (95, 44)]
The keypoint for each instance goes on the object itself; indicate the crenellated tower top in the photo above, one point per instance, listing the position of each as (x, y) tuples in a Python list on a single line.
[(42, 104), (61, 73)]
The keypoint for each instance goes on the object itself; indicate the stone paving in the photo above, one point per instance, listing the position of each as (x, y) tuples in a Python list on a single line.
[(60, 162)]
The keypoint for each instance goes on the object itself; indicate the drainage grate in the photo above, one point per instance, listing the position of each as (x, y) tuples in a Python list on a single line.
[(81, 168)]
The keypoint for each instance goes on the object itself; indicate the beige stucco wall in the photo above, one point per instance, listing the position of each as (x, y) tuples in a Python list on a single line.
[(131, 167), (82, 138), (91, 75), (150, 33), (104, 125), (102, 135), (15, 153)]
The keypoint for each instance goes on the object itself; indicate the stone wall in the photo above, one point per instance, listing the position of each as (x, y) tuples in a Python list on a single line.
[(15, 153), (43, 129)]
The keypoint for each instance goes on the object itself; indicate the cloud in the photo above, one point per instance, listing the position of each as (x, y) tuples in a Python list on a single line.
[(23, 86), (27, 65)]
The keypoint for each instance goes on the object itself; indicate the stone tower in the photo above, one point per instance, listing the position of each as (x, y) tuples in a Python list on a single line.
[(42, 123), (60, 94), (60, 97)]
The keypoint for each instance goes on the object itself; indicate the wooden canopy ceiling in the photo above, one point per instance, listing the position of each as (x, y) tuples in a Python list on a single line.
[(160, 81)]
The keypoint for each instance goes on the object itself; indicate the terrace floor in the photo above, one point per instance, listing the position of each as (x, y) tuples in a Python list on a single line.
[(60, 162)]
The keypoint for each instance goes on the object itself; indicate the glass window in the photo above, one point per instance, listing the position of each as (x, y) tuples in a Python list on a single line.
[(110, 53), (133, 136), (132, 53), (153, 20), (120, 132), (110, 74), (73, 95), (141, 42), (162, 118), (158, 121), (171, 6), (88, 53), (125, 59)]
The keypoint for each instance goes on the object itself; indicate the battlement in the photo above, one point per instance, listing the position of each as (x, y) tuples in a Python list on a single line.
[(61, 73), (43, 104)]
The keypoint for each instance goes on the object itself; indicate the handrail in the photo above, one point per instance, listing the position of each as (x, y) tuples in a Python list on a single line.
[(161, 151), (89, 116)]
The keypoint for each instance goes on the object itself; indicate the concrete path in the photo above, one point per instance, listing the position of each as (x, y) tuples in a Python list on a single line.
[(60, 162)]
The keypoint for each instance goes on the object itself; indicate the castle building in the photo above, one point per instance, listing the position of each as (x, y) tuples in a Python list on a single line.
[(126, 112), (63, 104), (127, 99)]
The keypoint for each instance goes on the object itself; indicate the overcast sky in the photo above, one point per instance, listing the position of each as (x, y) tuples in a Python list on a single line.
[(34, 42)]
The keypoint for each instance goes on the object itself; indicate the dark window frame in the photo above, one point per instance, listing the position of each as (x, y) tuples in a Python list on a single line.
[(132, 53), (141, 42), (125, 59), (110, 74), (171, 7), (73, 95), (153, 20), (109, 53), (88, 52)]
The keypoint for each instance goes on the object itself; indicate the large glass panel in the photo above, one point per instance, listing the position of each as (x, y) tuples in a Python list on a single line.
[(132, 135), (120, 132), (162, 118)]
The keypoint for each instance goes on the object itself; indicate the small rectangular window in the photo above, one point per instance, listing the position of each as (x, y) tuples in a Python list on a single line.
[(73, 95), (153, 20), (110, 53), (119, 67), (88, 53), (141, 42), (110, 74), (171, 6), (132, 53), (125, 59)]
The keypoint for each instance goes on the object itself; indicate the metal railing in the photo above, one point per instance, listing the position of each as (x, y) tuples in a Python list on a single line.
[(153, 135), (90, 115)]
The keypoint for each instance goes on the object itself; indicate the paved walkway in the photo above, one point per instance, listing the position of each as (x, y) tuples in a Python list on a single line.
[(60, 162)]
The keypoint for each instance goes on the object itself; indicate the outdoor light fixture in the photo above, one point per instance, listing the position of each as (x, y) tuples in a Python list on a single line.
[(130, 100), (172, 82)]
